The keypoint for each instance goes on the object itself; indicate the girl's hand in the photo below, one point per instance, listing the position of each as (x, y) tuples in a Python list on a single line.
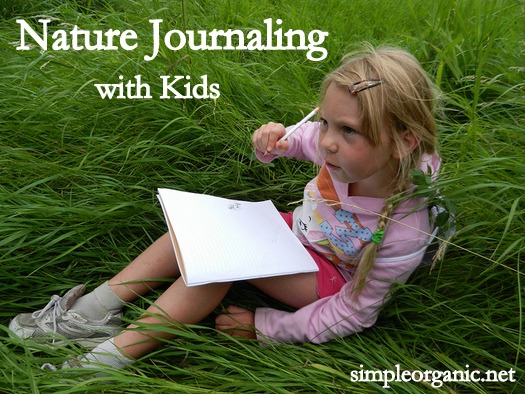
[(266, 139), (238, 322)]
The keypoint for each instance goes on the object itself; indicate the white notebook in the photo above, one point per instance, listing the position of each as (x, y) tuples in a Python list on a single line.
[(221, 240)]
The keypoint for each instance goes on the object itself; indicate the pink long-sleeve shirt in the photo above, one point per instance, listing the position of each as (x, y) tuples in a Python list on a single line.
[(338, 232)]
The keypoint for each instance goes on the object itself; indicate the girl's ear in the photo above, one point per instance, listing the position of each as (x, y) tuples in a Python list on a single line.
[(409, 142)]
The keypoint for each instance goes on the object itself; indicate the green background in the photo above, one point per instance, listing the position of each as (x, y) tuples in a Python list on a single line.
[(78, 176)]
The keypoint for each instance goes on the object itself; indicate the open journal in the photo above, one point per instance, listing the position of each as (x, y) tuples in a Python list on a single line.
[(221, 240)]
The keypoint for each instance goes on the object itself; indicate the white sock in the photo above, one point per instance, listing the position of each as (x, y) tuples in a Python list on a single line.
[(98, 303), (105, 354)]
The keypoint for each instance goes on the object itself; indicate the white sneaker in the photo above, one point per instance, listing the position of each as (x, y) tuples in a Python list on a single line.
[(57, 321)]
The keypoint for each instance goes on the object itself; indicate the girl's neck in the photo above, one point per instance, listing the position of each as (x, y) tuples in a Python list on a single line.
[(360, 190)]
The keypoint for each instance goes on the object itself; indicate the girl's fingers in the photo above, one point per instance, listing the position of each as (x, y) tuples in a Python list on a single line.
[(265, 138)]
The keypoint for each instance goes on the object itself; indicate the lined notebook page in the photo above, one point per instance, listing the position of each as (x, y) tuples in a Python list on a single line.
[(222, 240)]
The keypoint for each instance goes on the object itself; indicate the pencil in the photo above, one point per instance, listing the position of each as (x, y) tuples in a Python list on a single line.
[(294, 129)]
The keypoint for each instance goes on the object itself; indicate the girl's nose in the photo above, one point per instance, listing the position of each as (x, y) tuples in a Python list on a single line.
[(327, 141)]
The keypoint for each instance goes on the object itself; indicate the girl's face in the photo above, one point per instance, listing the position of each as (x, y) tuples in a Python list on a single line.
[(350, 156)]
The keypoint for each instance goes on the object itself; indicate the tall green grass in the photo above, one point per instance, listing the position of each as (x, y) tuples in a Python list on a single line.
[(78, 176)]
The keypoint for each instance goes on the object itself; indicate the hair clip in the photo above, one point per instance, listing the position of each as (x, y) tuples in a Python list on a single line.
[(359, 86), (377, 236)]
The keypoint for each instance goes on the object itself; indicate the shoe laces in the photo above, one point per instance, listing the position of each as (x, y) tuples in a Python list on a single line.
[(53, 309)]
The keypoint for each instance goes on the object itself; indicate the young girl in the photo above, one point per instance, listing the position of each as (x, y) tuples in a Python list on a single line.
[(357, 220)]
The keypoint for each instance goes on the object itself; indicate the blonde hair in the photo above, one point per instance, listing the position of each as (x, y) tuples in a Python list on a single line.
[(404, 100)]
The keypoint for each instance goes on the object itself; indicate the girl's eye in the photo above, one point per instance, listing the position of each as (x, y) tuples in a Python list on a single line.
[(324, 123), (349, 130)]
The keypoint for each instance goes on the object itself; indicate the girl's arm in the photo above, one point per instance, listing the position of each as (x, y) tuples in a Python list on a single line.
[(339, 315), (301, 145)]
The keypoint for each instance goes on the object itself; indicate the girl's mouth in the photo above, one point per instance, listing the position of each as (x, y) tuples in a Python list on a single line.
[(331, 166)]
